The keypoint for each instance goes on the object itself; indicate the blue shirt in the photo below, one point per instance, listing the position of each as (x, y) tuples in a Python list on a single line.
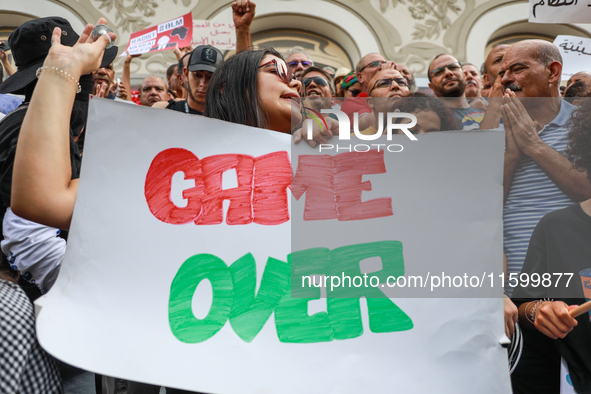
[(533, 194), (9, 103)]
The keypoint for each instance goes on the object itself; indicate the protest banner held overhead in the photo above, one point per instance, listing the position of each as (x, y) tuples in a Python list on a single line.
[(163, 36)]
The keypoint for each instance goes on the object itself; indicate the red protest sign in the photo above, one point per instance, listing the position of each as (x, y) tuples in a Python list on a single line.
[(162, 36)]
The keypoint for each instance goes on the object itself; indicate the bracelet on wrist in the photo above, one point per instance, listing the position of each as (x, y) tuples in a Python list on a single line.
[(527, 315), (531, 317), (61, 73)]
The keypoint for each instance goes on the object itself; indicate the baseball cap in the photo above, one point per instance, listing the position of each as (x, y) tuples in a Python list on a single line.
[(30, 44), (205, 57)]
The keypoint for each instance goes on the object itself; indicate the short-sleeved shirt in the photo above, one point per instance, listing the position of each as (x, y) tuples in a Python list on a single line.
[(533, 194), (559, 245), (468, 118)]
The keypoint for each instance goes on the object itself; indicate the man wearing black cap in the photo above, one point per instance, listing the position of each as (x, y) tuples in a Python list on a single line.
[(202, 63)]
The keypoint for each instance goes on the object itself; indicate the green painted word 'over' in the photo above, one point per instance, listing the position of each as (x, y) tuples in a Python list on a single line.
[(235, 298)]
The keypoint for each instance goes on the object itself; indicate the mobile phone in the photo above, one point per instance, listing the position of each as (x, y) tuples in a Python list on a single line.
[(117, 81), (4, 47)]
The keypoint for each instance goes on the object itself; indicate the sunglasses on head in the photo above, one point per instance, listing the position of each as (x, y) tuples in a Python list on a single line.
[(317, 80), (295, 63), (282, 70), (375, 63), (387, 83)]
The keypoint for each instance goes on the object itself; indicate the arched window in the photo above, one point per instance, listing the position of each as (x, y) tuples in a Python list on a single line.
[(324, 51)]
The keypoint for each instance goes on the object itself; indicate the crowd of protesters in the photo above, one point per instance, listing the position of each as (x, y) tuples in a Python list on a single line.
[(547, 165)]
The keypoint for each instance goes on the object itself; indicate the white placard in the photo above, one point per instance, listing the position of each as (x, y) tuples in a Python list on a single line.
[(221, 35), (559, 11), (114, 305), (576, 54)]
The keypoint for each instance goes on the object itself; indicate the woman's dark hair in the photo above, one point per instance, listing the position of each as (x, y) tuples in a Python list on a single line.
[(232, 91), (579, 137), (416, 102)]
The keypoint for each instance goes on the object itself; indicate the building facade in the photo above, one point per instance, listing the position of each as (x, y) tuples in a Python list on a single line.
[(337, 32)]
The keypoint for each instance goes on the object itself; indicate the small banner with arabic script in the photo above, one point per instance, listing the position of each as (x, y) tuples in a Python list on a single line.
[(574, 51), (221, 35), (560, 11)]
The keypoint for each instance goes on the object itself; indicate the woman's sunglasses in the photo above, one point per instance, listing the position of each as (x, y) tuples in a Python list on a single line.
[(282, 70), (317, 80)]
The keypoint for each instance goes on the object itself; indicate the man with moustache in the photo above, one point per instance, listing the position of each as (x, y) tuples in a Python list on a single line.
[(152, 90), (537, 179), (447, 79), (473, 81)]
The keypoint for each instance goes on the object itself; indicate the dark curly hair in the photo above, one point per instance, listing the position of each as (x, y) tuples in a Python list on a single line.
[(579, 137), (416, 102)]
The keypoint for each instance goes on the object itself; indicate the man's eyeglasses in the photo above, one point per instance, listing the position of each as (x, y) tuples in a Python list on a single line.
[(317, 80), (387, 83), (282, 70), (375, 63), (453, 67), (304, 63)]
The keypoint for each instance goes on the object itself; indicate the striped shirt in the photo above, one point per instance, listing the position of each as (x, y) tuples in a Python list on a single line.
[(533, 195)]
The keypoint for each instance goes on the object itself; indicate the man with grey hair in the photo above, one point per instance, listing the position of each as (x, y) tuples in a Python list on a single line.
[(298, 59)]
